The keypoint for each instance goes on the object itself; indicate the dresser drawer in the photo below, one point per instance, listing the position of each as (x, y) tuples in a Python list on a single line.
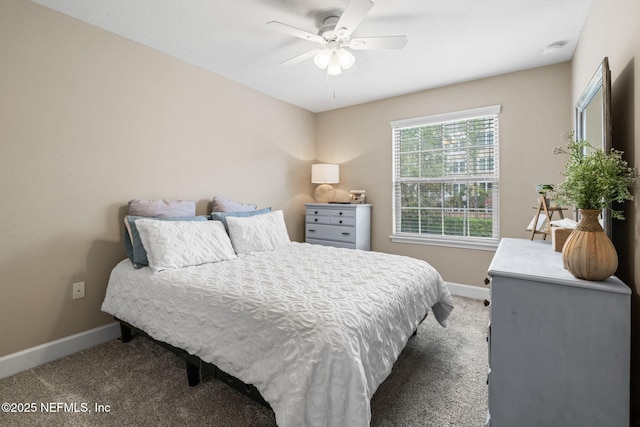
[(341, 213), (347, 245), (330, 232), (318, 219), (340, 220), (318, 211)]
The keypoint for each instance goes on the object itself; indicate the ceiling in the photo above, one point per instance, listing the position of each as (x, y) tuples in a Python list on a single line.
[(449, 41)]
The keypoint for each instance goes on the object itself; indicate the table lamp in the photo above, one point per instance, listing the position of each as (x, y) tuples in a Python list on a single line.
[(325, 174)]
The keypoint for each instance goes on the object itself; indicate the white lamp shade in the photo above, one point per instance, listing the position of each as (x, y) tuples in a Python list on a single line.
[(322, 59), (345, 58), (334, 68), (325, 174)]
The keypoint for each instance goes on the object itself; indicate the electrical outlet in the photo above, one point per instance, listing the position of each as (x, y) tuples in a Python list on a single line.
[(78, 290)]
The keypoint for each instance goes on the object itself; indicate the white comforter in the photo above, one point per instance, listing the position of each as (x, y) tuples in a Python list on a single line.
[(316, 329)]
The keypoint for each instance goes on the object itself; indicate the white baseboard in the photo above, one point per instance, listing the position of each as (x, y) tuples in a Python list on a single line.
[(32, 357), (468, 291)]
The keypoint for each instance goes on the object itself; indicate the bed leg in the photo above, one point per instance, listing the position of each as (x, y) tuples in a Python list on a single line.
[(126, 333), (193, 373), (415, 332)]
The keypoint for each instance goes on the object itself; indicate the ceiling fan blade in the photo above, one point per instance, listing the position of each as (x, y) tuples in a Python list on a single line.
[(301, 57), (352, 16), (384, 42), (296, 32)]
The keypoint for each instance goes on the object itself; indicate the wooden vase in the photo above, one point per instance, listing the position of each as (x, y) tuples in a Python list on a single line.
[(588, 252)]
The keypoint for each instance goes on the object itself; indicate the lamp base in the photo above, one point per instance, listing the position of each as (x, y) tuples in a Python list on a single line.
[(324, 193)]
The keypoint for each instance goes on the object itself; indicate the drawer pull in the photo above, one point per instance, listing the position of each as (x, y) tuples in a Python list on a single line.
[(344, 233), (315, 219), (315, 212), (340, 213), (312, 231), (340, 221)]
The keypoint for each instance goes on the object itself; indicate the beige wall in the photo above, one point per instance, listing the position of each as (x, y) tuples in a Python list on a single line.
[(536, 112), (89, 120), (613, 30)]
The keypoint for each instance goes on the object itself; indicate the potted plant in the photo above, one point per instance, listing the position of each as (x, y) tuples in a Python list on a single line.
[(543, 189), (593, 180)]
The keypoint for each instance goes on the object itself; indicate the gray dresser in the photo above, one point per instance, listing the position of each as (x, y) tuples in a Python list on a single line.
[(340, 225), (559, 347)]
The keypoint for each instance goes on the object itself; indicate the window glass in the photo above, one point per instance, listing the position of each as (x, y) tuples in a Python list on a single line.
[(446, 180)]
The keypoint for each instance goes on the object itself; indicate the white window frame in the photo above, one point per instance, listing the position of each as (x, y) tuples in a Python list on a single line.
[(482, 243)]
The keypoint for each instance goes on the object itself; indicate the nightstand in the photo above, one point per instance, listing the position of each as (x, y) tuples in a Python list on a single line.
[(340, 225)]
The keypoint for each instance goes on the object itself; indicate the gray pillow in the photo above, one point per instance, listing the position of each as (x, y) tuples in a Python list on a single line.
[(162, 208), (220, 204)]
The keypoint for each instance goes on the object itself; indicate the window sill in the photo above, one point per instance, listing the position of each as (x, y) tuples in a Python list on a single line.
[(480, 244)]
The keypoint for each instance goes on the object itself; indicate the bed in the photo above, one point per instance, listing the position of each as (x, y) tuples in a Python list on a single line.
[(314, 329)]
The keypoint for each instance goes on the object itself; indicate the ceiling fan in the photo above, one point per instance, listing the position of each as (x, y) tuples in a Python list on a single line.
[(334, 37)]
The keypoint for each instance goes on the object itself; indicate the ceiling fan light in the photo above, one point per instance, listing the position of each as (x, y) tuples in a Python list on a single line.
[(334, 68), (345, 58), (323, 58)]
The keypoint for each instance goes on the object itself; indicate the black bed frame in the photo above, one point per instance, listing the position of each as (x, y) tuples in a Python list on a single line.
[(198, 370)]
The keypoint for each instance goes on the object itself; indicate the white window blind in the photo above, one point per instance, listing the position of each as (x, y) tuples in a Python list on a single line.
[(446, 177)]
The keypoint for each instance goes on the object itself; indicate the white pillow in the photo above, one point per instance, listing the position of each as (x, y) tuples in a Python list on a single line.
[(258, 233), (176, 244)]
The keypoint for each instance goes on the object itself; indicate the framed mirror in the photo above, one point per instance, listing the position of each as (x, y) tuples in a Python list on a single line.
[(593, 120)]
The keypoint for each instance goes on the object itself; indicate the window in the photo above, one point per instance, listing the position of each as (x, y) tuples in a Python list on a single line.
[(445, 179)]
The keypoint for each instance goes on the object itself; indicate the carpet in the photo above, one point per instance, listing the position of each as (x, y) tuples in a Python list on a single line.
[(439, 380)]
